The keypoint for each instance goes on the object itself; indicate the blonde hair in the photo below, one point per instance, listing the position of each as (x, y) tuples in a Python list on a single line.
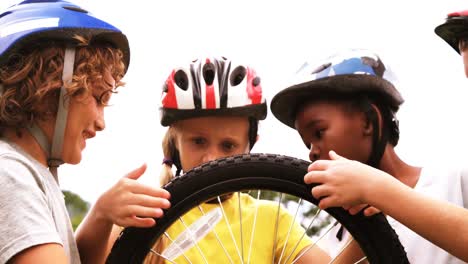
[(170, 153), (166, 175), (32, 78)]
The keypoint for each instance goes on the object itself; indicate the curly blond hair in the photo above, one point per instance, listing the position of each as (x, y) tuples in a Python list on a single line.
[(32, 78)]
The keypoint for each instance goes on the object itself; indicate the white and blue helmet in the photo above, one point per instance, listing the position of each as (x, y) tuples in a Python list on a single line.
[(350, 72)]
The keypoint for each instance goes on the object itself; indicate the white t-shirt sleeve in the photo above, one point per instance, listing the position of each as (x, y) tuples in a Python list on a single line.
[(26, 217), (464, 186)]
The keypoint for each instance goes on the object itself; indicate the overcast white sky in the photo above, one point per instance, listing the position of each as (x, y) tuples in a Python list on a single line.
[(275, 37)]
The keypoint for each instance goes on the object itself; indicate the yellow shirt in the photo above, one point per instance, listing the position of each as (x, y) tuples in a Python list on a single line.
[(263, 235)]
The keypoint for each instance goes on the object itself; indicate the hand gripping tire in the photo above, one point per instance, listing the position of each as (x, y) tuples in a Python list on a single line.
[(255, 171)]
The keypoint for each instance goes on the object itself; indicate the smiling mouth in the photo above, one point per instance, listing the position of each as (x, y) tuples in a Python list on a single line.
[(88, 134)]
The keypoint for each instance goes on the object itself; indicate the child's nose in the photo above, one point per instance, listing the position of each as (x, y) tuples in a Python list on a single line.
[(314, 153)]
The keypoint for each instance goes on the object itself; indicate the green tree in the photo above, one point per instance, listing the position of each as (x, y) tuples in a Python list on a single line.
[(76, 206)]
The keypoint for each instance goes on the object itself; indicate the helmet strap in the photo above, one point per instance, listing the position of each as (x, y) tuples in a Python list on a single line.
[(54, 151), (253, 132), (379, 142), (177, 163)]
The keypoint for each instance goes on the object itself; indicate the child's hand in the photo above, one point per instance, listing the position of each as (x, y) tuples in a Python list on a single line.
[(343, 183), (130, 203), (368, 210)]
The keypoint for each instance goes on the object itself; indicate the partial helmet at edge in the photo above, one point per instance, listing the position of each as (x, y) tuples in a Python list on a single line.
[(454, 28)]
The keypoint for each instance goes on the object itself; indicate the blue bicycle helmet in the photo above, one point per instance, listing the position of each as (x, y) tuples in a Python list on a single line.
[(355, 72), (34, 21)]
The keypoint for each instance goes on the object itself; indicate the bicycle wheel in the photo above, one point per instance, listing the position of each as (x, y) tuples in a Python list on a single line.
[(279, 173)]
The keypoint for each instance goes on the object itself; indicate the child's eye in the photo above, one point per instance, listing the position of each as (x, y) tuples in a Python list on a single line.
[(97, 99), (319, 133), (199, 141), (104, 98), (228, 146)]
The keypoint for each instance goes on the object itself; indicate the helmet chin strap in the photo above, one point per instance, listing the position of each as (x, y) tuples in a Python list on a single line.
[(379, 142), (378, 147), (54, 152)]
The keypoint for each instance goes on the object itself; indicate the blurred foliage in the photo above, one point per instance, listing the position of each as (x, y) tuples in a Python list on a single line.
[(76, 206)]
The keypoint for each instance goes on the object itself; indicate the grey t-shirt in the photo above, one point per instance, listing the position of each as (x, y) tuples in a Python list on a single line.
[(32, 206)]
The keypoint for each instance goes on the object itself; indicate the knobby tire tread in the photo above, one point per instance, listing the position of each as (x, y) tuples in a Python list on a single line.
[(273, 172)]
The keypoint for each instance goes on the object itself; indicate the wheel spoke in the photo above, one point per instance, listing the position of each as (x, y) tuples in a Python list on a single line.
[(289, 232), (177, 245), (217, 237), (192, 236), (313, 245), (240, 225), (157, 254), (361, 260), (303, 235), (253, 226), (276, 227), (342, 250), (230, 229)]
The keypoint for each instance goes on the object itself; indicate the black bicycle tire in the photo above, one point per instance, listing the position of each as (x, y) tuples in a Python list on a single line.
[(274, 172)]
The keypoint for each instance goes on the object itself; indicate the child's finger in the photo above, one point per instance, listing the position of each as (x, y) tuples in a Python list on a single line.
[(135, 174), (325, 203), (334, 156), (320, 191), (371, 211), (318, 165), (357, 208), (315, 177)]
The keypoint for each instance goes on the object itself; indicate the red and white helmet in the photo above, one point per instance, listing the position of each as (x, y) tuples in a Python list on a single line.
[(212, 86)]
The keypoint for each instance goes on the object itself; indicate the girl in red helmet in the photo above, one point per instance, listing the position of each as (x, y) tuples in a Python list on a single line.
[(347, 106), (59, 66), (212, 108)]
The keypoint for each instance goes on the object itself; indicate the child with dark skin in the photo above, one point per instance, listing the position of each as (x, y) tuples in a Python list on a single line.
[(344, 112)]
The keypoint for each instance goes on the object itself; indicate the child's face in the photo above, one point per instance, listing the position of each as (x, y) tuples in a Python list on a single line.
[(463, 47), (464, 55), (85, 118), (203, 139), (325, 126)]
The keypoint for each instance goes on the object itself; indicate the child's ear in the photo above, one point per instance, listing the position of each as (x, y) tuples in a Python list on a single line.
[(367, 128)]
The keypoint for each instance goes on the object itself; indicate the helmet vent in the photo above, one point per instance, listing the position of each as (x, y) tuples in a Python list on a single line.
[(181, 79), (37, 1), (237, 76), (75, 8), (4, 14), (165, 88), (209, 73), (321, 68), (256, 81)]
